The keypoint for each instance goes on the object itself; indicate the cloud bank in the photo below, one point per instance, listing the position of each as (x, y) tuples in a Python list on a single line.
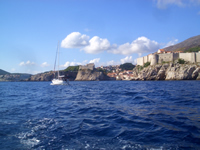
[(67, 64), (127, 59), (97, 45), (140, 45), (28, 63)]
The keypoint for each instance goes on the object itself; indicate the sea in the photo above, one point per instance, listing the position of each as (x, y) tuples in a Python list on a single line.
[(100, 115)]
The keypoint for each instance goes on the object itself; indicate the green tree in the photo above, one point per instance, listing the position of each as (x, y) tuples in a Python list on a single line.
[(181, 61), (72, 68), (146, 64), (127, 66)]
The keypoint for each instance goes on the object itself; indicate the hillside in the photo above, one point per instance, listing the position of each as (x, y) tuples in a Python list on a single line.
[(2, 72), (191, 44), (6, 76)]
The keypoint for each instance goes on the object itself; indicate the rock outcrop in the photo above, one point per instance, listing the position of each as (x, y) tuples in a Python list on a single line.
[(14, 77), (91, 75), (48, 76), (172, 71)]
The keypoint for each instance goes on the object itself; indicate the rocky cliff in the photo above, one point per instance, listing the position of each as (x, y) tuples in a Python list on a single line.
[(171, 71), (48, 76), (91, 75), (14, 77)]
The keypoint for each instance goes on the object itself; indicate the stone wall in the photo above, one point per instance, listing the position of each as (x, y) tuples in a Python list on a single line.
[(168, 57), (165, 57), (88, 66), (140, 61), (197, 57)]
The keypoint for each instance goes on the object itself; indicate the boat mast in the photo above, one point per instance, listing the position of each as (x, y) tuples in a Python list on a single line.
[(55, 62), (58, 60)]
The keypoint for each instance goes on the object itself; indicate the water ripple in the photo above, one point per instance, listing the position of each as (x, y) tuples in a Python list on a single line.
[(100, 115)]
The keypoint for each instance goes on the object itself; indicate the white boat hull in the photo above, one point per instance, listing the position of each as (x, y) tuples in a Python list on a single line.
[(57, 82)]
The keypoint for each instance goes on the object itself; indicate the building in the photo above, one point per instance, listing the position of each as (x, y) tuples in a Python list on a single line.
[(161, 51)]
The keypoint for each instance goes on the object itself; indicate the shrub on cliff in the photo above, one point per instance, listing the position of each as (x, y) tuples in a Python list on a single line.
[(181, 61), (146, 64)]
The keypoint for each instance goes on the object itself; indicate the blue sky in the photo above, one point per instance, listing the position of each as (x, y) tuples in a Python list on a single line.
[(105, 32)]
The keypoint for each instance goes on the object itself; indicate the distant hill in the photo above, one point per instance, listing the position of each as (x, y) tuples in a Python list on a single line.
[(190, 45), (2, 72), (6, 76)]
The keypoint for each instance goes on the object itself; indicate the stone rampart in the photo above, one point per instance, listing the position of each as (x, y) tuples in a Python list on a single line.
[(140, 61), (197, 57), (168, 57), (88, 66)]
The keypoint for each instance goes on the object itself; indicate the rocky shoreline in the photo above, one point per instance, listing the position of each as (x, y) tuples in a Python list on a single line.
[(48, 76), (168, 71)]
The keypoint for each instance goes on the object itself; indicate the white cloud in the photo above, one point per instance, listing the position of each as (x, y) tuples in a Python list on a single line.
[(13, 69), (33, 71), (172, 42), (127, 59), (139, 54), (87, 30), (97, 45), (67, 64), (28, 63), (112, 62), (44, 64), (163, 4), (96, 60), (140, 45), (135, 61), (75, 40)]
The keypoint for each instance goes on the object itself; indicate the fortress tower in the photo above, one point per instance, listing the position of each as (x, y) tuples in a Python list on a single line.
[(154, 59)]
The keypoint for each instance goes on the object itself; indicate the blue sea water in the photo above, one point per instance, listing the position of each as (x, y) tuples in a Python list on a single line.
[(105, 115)]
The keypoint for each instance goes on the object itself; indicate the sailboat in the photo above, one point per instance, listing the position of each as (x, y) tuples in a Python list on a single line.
[(58, 80)]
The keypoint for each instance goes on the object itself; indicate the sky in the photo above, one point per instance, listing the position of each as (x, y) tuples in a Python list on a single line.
[(103, 32)]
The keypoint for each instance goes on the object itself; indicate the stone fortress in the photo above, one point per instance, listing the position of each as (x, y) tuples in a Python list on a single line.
[(89, 66), (168, 56)]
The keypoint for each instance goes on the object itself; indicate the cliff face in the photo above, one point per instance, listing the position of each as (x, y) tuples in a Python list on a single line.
[(91, 75), (48, 76), (14, 77), (168, 72)]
